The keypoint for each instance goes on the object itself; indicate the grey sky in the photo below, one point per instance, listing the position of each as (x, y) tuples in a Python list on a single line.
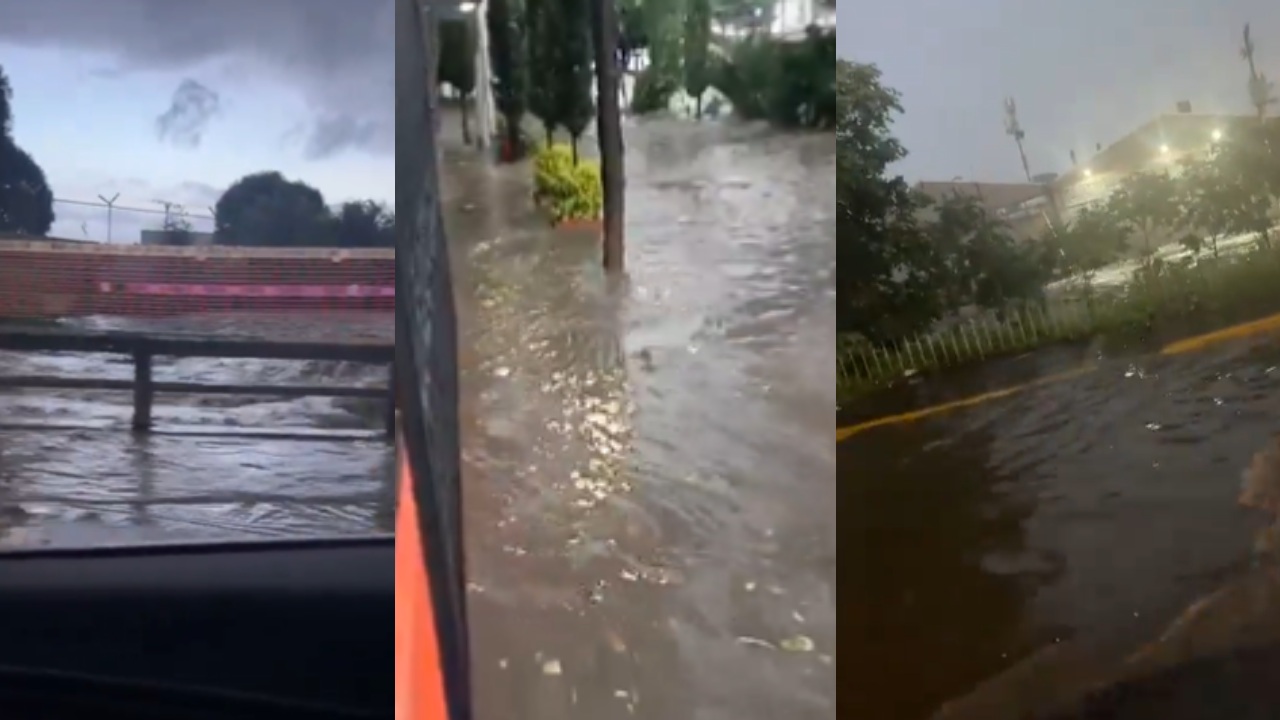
[(1082, 71), (337, 53)]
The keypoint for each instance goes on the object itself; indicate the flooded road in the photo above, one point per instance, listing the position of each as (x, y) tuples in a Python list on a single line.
[(1050, 535), (652, 499), (72, 474), (650, 472)]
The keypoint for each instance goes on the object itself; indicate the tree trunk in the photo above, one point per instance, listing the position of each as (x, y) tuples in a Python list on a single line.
[(609, 130), (465, 102)]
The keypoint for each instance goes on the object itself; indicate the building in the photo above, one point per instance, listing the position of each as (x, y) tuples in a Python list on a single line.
[(1026, 207), (1161, 144)]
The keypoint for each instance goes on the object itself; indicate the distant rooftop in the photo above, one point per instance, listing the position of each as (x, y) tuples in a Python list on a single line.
[(1169, 136), (993, 196)]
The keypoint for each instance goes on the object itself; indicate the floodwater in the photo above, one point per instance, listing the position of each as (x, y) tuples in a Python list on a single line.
[(1010, 555), (650, 473), (72, 474)]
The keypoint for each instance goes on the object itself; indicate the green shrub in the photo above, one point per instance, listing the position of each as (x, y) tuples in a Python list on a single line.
[(567, 191), (652, 92)]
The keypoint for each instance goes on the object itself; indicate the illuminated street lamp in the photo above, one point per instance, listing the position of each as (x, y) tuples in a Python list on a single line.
[(1088, 173), (1217, 135), (1164, 149)]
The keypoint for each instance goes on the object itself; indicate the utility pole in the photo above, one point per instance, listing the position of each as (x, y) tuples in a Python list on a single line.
[(1260, 88), (111, 211), (1013, 129), (605, 32)]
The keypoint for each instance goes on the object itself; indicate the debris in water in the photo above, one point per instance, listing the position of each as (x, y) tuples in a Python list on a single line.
[(799, 644), (756, 642)]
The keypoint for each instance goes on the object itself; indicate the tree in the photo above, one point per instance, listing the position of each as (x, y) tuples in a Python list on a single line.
[(609, 133), (510, 71), (1249, 162), (542, 50), (458, 66), (663, 22), (6, 105), (697, 42), (978, 262), (266, 210), (1219, 201), (573, 73), (26, 201), (1148, 205), (1094, 239), (365, 224), (885, 264)]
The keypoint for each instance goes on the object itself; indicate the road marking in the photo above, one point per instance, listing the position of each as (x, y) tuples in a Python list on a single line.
[(845, 433), (1193, 344), (1235, 332)]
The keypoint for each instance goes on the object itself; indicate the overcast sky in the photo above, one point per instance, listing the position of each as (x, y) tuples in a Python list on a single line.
[(176, 99), (1082, 71)]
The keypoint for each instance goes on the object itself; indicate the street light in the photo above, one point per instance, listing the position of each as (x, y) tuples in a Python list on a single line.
[(1088, 173), (1217, 135), (1164, 149)]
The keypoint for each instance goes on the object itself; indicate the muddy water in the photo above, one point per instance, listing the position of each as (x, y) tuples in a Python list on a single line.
[(71, 473), (652, 497), (1030, 547), (650, 471)]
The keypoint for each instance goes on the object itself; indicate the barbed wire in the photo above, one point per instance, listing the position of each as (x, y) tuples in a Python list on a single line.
[(177, 208)]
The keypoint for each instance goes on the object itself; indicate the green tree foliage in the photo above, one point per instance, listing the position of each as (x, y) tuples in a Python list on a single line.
[(541, 21), (26, 201), (697, 42), (903, 262), (364, 224), (1148, 205), (510, 69), (664, 29), (978, 262), (268, 210), (1090, 242), (458, 65), (574, 74), (883, 264), (791, 84)]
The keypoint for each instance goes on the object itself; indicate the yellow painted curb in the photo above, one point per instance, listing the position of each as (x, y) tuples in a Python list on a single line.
[(845, 433), (1235, 332), (1200, 342)]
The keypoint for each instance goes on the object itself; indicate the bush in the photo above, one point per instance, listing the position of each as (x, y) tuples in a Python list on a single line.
[(652, 92), (567, 190), (789, 83)]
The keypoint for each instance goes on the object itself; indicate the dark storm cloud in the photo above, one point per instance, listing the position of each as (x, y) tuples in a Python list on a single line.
[(332, 135), (337, 53), (189, 114), (1083, 71)]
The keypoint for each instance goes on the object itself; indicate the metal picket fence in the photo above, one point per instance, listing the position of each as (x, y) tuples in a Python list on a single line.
[(958, 342)]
